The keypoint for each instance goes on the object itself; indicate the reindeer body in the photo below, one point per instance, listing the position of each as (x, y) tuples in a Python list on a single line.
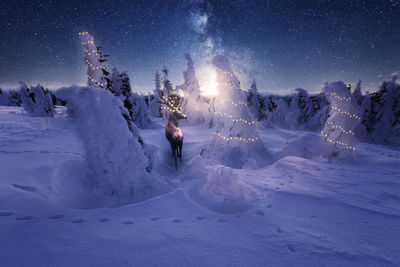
[(173, 134), (175, 138)]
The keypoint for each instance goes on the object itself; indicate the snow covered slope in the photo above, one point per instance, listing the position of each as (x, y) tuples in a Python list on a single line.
[(295, 212)]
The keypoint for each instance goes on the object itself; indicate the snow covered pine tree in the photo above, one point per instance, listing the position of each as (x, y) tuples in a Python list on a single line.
[(192, 105), (235, 141), (37, 101), (343, 120)]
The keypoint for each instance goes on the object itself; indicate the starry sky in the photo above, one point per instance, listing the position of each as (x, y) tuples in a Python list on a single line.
[(282, 44)]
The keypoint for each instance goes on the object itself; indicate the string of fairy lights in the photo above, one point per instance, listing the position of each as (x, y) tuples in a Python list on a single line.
[(334, 126), (90, 65), (340, 98), (232, 102), (236, 104), (346, 113), (234, 119), (348, 146), (350, 132), (247, 140)]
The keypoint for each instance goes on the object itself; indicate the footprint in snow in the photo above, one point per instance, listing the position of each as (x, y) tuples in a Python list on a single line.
[(259, 213), (176, 221), (154, 219), (6, 213), (104, 219), (57, 216), (25, 218), (279, 230), (127, 222), (25, 188), (78, 221), (291, 248)]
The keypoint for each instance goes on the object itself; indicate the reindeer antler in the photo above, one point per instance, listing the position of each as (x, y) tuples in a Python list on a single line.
[(171, 106)]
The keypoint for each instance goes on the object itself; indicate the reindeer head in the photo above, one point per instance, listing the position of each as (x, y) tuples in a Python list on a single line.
[(174, 104)]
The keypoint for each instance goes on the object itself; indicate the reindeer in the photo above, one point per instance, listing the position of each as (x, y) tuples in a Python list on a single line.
[(172, 132)]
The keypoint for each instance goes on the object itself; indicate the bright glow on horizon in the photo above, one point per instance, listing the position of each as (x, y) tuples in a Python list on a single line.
[(207, 78)]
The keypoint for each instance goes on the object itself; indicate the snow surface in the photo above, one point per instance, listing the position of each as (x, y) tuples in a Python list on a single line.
[(294, 212)]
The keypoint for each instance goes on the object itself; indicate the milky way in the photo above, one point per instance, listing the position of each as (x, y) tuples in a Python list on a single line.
[(282, 44)]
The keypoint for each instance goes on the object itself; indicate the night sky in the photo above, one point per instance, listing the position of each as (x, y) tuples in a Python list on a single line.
[(283, 44)]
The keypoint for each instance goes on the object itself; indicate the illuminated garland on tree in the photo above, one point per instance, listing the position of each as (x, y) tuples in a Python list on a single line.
[(342, 112), (234, 92), (92, 59)]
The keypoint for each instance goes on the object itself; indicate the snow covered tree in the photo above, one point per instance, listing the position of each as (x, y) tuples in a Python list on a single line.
[(116, 163), (93, 60), (193, 105), (37, 101), (302, 108), (3, 98), (343, 120), (382, 116), (236, 142), (14, 98), (154, 106), (357, 95), (167, 85), (139, 111), (254, 101)]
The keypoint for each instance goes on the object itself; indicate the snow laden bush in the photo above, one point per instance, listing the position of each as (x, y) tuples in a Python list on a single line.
[(223, 191), (308, 145), (115, 162), (344, 117), (235, 135), (37, 101)]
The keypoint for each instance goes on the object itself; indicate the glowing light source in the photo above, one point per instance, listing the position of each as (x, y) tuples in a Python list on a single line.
[(207, 78)]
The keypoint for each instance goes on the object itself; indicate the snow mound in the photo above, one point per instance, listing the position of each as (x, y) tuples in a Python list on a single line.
[(223, 191), (116, 165), (308, 145)]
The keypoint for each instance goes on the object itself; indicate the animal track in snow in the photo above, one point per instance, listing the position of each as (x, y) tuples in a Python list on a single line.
[(176, 221), (221, 220), (25, 218), (279, 230), (155, 219), (57, 216), (25, 188), (127, 222), (104, 220), (6, 213), (200, 218), (259, 213), (78, 221), (291, 248)]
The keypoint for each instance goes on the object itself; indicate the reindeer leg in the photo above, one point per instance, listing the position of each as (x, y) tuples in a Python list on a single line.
[(176, 162), (180, 151)]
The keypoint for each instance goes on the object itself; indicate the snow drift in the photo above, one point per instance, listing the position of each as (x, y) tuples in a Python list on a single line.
[(223, 191)]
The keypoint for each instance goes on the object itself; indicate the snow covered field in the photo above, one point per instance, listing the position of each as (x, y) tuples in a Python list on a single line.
[(293, 212)]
